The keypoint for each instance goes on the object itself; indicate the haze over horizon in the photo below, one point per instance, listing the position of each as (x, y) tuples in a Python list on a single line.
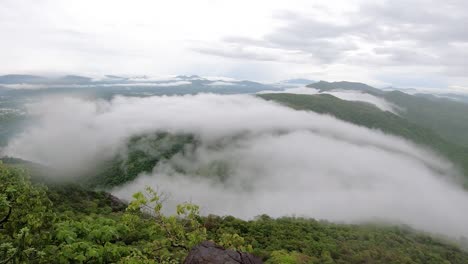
[(383, 43)]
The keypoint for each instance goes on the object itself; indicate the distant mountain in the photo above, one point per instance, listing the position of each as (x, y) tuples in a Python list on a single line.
[(328, 86), (454, 97), (446, 117), (115, 77), (72, 79), (437, 94), (33, 79), (112, 85), (20, 78), (111, 80), (297, 82)]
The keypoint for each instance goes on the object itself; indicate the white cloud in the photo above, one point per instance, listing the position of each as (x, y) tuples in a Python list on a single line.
[(276, 160), (297, 90), (220, 78), (150, 84), (381, 103), (221, 83), (436, 91)]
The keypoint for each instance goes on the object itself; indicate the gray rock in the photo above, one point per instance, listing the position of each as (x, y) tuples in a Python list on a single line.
[(210, 253)]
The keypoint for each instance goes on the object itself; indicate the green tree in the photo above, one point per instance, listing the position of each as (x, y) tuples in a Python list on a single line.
[(25, 217), (284, 257), (181, 231)]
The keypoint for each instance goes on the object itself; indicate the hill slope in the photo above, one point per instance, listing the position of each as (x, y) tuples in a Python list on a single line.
[(448, 118), (370, 116)]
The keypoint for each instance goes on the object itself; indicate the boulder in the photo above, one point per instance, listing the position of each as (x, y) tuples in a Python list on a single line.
[(210, 253)]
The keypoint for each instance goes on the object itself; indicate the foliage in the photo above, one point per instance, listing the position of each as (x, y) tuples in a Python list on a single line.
[(301, 240), (69, 224), (285, 257), (140, 155), (182, 231), (24, 214)]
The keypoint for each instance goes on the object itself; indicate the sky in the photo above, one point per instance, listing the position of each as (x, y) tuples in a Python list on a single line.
[(415, 43)]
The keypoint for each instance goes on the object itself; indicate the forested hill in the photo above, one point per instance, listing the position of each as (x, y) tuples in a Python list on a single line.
[(448, 118), (367, 115)]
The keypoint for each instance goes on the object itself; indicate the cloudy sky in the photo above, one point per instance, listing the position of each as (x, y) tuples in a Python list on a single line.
[(415, 43)]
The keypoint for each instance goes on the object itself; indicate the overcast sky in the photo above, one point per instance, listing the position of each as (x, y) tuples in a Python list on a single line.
[(404, 43)]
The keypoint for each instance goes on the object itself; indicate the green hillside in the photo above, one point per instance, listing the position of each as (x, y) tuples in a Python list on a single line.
[(446, 117), (367, 115), (69, 224)]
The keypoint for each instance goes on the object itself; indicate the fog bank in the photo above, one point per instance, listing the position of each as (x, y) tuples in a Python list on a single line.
[(255, 157), (347, 95)]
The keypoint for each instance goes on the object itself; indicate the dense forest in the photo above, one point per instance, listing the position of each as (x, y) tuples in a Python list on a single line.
[(65, 223)]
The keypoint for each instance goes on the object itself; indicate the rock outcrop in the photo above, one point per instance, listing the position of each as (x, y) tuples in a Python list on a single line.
[(210, 253)]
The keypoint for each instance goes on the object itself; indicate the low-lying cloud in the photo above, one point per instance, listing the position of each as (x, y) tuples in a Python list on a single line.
[(253, 157), (381, 103), (27, 86), (221, 83), (346, 95)]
